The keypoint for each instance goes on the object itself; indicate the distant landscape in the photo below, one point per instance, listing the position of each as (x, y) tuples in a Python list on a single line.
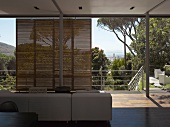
[(114, 53), (9, 50), (6, 49)]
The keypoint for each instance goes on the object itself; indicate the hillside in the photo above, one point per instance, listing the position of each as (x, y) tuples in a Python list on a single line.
[(6, 49)]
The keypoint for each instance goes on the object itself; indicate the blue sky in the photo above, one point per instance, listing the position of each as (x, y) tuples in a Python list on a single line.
[(106, 40), (100, 38), (8, 31)]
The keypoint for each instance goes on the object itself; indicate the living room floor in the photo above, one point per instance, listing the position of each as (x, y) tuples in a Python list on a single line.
[(129, 110)]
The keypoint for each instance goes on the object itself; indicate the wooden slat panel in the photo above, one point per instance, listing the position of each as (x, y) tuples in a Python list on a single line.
[(38, 53), (25, 54), (44, 53), (82, 54)]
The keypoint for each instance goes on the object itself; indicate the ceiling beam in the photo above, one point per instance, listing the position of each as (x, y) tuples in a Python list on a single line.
[(85, 15), (156, 6), (57, 6)]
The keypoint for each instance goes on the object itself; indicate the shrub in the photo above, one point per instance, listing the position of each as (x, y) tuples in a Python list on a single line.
[(8, 83), (118, 82), (120, 87), (167, 70)]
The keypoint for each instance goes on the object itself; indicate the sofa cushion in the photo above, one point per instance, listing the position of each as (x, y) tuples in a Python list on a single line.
[(91, 106)]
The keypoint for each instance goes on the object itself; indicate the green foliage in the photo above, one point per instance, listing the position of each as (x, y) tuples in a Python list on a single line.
[(167, 86), (8, 83), (117, 64), (99, 63), (118, 82), (137, 62), (11, 65), (5, 61), (99, 59), (120, 87), (121, 77), (109, 79), (159, 42), (167, 70), (129, 62), (159, 39)]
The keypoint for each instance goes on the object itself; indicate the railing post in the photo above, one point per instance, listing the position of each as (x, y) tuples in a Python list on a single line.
[(142, 79), (101, 81)]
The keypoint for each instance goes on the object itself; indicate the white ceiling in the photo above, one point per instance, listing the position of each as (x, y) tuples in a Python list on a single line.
[(90, 7)]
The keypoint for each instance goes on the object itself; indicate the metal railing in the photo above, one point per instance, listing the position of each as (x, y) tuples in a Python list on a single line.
[(134, 83), (101, 79), (112, 79)]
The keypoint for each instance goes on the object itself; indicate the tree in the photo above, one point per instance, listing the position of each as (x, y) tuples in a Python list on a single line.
[(121, 77), (126, 26), (11, 65), (117, 64), (3, 61), (99, 59), (99, 63), (6, 62), (129, 63), (159, 42)]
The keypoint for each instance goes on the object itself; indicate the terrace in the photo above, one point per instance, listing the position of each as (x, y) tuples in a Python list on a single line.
[(63, 58)]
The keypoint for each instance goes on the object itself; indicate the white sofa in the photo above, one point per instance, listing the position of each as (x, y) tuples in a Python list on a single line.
[(22, 100), (63, 106), (49, 107), (91, 106)]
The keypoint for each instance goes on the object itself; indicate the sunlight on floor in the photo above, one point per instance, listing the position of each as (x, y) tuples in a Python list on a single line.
[(140, 100)]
